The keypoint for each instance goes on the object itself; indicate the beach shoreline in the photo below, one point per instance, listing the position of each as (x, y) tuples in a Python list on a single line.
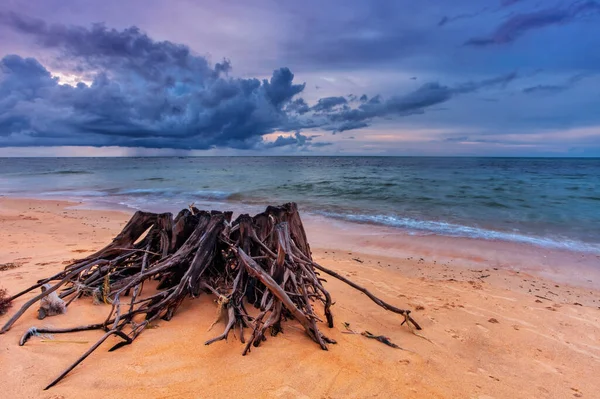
[(543, 344), (576, 268), (551, 205)]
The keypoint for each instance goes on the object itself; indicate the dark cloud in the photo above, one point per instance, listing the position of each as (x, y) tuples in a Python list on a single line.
[(328, 103), (508, 3), (500, 81), (556, 88), (295, 140), (469, 15), (416, 102), (321, 144), (446, 19), (282, 141), (547, 89), (143, 93), (519, 24), (157, 94), (350, 125), (298, 106), (128, 51), (280, 89), (36, 109)]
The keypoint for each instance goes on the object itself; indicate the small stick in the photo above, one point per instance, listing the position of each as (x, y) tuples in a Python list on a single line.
[(53, 341), (85, 355), (386, 306), (380, 338)]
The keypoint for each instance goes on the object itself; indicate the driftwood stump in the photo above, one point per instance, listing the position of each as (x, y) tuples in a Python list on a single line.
[(262, 261)]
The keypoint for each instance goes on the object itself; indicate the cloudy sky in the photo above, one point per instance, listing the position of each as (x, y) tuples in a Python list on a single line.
[(238, 77)]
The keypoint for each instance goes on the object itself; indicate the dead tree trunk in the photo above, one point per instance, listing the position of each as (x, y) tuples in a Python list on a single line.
[(262, 261)]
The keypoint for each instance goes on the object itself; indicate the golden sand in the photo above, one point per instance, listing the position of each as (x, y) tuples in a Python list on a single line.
[(490, 337)]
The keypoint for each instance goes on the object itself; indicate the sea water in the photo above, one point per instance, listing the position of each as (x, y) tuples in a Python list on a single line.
[(547, 202)]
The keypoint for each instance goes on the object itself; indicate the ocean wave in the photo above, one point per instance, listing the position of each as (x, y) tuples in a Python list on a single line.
[(148, 191), (457, 230), (172, 192), (73, 193), (591, 198), (213, 194), (68, 172), (154, 179)]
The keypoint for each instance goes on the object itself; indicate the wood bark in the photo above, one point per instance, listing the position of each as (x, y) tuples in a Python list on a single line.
[(262, 261)]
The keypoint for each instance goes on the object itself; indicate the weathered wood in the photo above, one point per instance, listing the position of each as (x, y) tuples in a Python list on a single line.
[(385, 305), (263, 260), (84, 356)]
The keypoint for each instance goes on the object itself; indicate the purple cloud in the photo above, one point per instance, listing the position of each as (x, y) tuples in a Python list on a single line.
[(147, 93), (519, 24)]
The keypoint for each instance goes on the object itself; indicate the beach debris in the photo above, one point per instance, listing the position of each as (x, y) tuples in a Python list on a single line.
[(9, 266), (263, 261), (381, 338), (358, 260), (5, 302), (51, 304), (35, 332), (577, 393), (493, 320), (348, 329)]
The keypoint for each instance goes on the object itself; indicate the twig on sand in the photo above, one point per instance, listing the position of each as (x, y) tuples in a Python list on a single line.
[(381, 338)]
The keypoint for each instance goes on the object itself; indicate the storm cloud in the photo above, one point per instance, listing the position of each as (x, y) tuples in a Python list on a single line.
[(415, 102), (143, 93), (113, 110), (296, 140), (328, 103), (156, 94)]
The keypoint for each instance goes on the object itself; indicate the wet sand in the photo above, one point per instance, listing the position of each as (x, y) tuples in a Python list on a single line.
[(496, 325)]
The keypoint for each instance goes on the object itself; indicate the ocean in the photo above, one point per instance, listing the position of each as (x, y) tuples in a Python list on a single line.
[(546, 202)]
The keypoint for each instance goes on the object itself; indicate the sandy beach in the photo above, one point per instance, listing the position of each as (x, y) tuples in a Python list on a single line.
[(505, 325)]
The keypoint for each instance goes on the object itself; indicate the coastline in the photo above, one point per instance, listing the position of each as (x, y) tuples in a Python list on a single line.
[(539, 347), (565, 266)]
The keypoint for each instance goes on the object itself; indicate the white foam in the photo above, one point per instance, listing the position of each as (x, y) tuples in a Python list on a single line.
[(457, 230)]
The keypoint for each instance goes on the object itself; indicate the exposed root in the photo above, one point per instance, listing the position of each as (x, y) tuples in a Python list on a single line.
[(262, 261)]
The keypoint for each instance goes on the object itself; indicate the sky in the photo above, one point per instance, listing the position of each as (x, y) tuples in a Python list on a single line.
[(263, 77)]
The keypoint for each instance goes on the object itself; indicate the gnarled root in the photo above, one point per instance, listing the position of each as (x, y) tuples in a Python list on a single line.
[(264, 261)]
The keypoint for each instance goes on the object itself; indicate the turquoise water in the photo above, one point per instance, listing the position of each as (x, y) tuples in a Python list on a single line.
[(552, 203)]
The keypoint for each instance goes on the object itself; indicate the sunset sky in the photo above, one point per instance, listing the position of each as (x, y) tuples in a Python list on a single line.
[(438, 77)]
